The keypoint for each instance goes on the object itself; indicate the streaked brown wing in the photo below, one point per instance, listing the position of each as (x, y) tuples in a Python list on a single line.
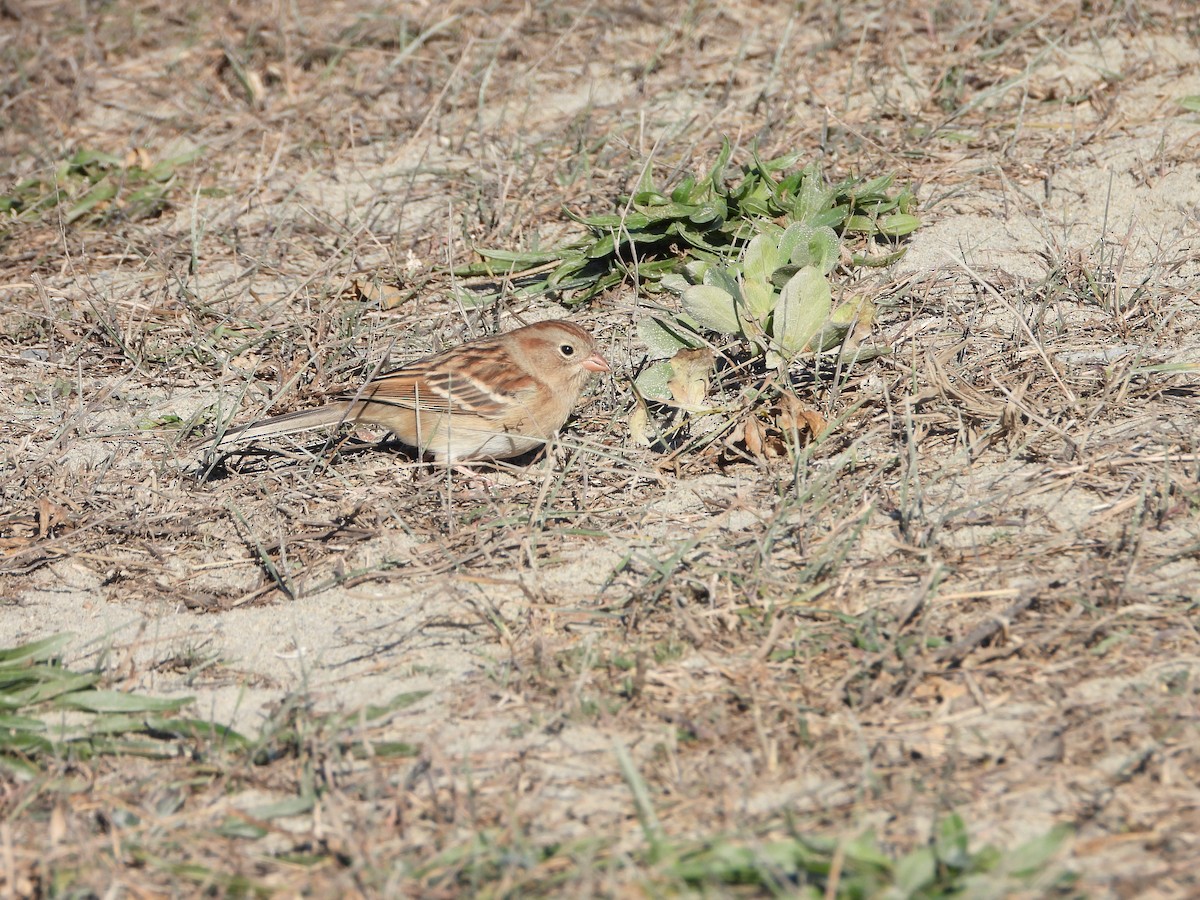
[(476, 379)]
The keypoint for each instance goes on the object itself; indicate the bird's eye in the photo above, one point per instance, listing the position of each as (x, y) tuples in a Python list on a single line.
[(567, 350)]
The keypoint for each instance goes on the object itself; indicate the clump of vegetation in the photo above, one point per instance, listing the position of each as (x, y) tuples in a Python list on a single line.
[(945, 867), (99, 188), (48, 710), (768, 299), (777, 297), (655, 234)]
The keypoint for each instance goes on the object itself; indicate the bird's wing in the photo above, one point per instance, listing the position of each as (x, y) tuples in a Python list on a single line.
[(478, 380)]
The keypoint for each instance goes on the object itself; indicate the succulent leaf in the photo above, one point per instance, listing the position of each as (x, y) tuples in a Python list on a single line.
[(713, 307), (664, 337), (804, 305)]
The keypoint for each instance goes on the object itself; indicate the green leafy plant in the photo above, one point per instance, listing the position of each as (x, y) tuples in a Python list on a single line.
[(654, 234), (49, 711), (805, 865), (946, 867), (46, 710), (769, 297), (98, 187), (777, 302), (777, 297)]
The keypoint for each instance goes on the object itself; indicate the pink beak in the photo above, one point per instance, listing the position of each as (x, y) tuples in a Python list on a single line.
[(596, 363)]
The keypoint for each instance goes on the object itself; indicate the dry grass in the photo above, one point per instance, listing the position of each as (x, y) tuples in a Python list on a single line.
[(977, 594)]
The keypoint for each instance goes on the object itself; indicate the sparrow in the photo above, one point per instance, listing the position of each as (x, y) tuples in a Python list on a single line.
[(491, 398)]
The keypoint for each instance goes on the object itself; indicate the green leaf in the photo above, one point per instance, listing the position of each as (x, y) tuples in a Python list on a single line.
[(713, 307), (760, 299), (876, 208), (834, 217), (815, 247), (875, 189), (1032, 856), (1191, 103), (862, 224), (85, 158), (652, 269), (664, 338), (793, 237), (400, 701), (387, 750), (667, 211), (824, 248), (234, 827), (779, 163), (710, 211), (111, 724), (147, 199), (864, 850), (521, 259), (645, 180), (804, 305), (674, 282), (652, 381), (716, 276), (898, 224), (557, 279), (760, 259), (915, 872), (694, 237), (19, 723), (53, 683), (611, 279), (289, 806), (203, 728), (852, 311), (47, 648), (716, 175), (651, 198), (759, 262), (755, 205), (762, 864), (605, 245), (828, 336), (784, 274), (685, 191), (950, 841), (188, 156), (103, 191), (163, 421), (813, 198), (878, 262), (25, 743), (695, 270), (120, 702), (163, 170)]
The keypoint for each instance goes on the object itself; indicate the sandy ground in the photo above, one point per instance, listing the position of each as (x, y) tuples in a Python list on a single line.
[(1050, 452)]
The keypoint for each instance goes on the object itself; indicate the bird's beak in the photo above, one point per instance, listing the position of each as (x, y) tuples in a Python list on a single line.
[(596, 363)]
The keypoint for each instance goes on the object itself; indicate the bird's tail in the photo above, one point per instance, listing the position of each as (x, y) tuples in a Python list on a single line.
[(290, 423)]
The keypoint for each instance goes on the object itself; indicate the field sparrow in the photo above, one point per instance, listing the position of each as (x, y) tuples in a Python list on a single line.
[(491, 398)]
